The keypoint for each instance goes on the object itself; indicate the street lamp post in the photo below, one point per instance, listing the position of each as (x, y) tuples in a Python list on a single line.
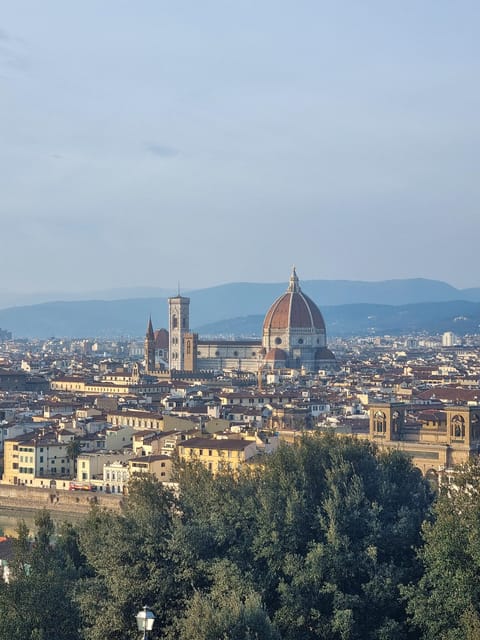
[(145, 620)]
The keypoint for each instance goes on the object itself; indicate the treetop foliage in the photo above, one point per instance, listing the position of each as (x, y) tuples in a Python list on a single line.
[(445, 603), (318, 542)]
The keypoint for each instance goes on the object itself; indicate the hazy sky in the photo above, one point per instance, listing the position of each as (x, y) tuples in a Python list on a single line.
[(148, 142)]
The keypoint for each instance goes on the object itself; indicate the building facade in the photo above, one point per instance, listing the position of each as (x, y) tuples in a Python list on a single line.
[(437, 440), (218, 455)]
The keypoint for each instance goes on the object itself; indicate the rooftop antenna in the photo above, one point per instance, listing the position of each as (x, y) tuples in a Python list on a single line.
[(178, 288)]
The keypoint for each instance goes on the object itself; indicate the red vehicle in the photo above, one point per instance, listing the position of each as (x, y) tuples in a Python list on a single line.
[(81, 486)]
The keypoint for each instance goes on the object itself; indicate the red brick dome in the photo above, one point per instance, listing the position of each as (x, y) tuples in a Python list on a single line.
[(293, 310), (161, 339), (276, 355)]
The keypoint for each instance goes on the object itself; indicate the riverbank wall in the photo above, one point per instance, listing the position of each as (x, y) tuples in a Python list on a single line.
[(22, 498)]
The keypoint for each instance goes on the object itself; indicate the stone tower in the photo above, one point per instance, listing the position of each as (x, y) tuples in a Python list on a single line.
[(190, 346), (149, 348), (179, 325), (387, 421)]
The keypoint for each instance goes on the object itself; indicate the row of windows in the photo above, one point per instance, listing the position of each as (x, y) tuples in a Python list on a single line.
[(457, 425), (278, 340), (136, 422), (54, 458), (117, 475), (226, 355), (221, 466), (29, 449), (230, 454), (175, 322)]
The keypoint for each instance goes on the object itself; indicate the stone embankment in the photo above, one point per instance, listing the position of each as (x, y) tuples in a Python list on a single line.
[(21, 498)]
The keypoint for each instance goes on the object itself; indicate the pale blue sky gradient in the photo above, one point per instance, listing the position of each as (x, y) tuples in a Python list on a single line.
[(148, 142)]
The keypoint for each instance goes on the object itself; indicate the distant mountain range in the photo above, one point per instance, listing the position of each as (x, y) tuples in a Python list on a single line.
[(238, 309), (15, 299), (370, 319)]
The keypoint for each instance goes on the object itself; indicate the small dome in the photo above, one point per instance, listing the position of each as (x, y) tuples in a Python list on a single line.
[(161, 339), (324, 354), (293, 310), (276, 359), (276, 355)]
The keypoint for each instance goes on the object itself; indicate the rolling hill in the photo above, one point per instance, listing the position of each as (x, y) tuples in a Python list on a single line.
[(349, 307)]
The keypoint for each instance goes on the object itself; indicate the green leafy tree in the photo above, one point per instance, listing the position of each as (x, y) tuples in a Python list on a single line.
[(74, 449), (129, 563), (337, 527), (316, 542), (445, 603), (36, 603), (217, 516), (230, 610), (325, 530)]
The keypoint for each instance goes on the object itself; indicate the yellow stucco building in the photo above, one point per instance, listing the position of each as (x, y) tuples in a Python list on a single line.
[(218, 454)]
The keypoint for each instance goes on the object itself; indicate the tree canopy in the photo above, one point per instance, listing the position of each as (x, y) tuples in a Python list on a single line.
[(37, 602), (445, 603), (317, 541)]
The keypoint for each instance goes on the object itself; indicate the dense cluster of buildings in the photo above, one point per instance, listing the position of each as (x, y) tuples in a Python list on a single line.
[(79, 414)]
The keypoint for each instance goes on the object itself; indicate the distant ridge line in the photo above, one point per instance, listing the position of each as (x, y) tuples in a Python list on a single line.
[(401, 306)]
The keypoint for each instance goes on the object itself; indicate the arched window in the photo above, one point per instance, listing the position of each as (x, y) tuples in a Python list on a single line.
[(174, 322), (458, 427), (379, 422), (396, 421), (475, 431)]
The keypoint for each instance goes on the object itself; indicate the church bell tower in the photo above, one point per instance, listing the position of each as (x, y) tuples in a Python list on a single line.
[(149, 348), (179, 325)]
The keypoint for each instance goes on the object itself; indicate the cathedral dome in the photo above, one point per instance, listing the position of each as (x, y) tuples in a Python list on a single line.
[(293, 310)]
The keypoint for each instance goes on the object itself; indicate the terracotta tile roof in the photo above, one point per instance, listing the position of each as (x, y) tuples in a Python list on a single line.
[(293, 309)]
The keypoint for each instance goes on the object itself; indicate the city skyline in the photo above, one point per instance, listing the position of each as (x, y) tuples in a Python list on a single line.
[(216, 143)]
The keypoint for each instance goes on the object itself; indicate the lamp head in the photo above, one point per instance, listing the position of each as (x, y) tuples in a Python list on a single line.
[(145, 619)]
